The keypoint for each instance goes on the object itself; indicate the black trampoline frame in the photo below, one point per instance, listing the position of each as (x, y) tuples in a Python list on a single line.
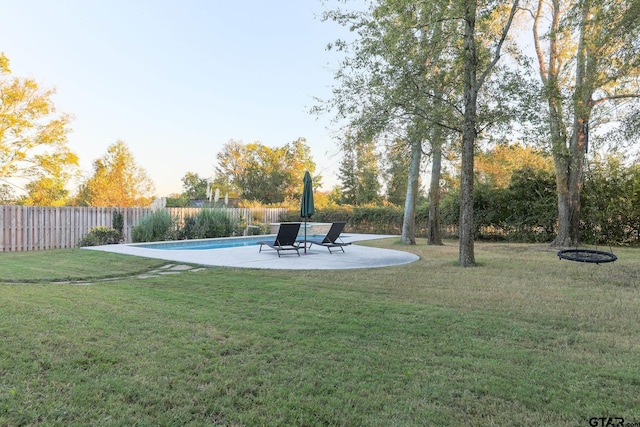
[(587, 255)]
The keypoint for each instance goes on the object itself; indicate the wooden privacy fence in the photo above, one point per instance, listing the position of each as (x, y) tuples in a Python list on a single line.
[(33, 228)]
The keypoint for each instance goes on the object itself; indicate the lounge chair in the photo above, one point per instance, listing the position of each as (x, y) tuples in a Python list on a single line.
[(286, 238), (332, 239)]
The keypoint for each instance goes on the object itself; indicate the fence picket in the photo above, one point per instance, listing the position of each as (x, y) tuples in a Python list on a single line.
[(29, 228)]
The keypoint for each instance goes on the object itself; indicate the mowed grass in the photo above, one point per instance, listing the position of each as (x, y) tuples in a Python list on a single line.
[(523, 339), (70, 265)]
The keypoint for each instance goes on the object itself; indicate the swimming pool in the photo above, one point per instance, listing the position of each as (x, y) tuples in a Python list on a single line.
[(218, 243)]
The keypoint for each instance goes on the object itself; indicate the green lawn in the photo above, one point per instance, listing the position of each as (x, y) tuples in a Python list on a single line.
[(524, 339)]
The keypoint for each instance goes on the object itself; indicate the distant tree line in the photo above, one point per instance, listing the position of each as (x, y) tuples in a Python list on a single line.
[(515, 200)]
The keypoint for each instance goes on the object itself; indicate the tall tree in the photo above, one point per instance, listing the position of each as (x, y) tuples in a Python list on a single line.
[(347, 169), (413, 181), (368, 173), (385, 87), (230, 166), (477, 19), (33, 137), (396, 163), (117, 181), (194, 187), (45, 191), (264, 174), (588, 55), (48, 186), (440, 77), (297, 159), (434, 233), (394, 80), (359, 170)]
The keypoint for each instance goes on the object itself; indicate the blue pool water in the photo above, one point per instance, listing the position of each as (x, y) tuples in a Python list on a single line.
[(227, 242)]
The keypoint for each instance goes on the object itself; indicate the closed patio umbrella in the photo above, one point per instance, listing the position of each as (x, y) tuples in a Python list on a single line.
[(307, 209)]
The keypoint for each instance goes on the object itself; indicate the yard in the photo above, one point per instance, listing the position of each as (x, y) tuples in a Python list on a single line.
[(522, 339)]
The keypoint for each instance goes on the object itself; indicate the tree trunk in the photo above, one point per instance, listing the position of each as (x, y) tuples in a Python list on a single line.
[(467, 257), (409, 220), (569, 167), (569, 174), (550, 69), (434, 236), (563, 238), (466, 252), (563, 162)]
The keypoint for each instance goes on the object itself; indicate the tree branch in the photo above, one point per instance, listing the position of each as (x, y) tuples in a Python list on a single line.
[(536, 41), (614, 97), (503, 38)]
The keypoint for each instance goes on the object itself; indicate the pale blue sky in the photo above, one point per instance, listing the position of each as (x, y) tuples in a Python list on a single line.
[(176, 79)]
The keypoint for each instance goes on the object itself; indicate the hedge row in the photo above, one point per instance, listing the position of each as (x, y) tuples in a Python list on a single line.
[(525, 211), (369, 220)]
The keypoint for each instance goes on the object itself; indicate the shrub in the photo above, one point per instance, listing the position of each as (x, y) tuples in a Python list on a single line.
[(177, 202), (375, 219), (208, 223), (189, 228), (100, 236), (526, 210), (611, 201), (258, 229), (118, 222), (157, 226)]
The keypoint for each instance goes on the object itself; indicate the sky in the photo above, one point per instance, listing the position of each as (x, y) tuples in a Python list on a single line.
[(176, 80)]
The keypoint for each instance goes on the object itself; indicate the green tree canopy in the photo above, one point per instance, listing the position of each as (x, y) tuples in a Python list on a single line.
[(397, 163), (194, 187), (495, 167), (359, 171), (264, 174)]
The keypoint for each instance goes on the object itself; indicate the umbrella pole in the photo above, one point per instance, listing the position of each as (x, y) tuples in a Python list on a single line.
[(305, 235)]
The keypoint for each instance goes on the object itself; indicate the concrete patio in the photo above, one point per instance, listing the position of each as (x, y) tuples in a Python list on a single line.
[(316, 258)]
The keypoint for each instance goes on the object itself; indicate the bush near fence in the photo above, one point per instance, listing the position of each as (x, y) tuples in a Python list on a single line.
[(373, 220), (368, 220)]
